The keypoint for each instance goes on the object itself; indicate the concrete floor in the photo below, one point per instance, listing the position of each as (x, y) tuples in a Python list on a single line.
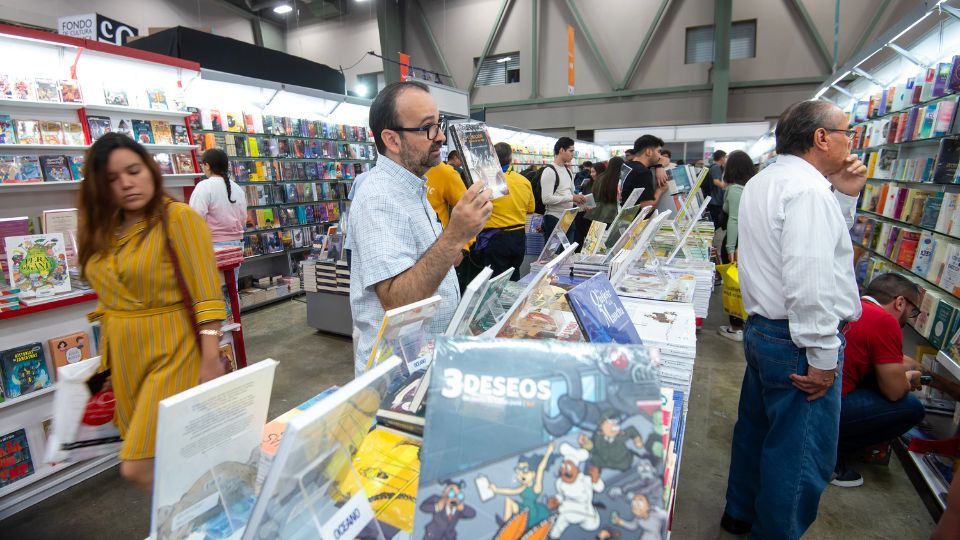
[(885, 507)]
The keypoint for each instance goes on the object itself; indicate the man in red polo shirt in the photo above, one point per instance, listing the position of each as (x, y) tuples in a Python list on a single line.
[(876, 404)]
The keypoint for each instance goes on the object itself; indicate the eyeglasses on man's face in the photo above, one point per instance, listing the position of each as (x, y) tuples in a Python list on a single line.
[(915, 312), (848, 132), (432, 130)]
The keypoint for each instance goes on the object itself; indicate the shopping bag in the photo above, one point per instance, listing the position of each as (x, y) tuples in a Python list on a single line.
[(732, 300), (83, 409)]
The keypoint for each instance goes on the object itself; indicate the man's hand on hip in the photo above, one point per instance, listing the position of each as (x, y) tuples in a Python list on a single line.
[(470, 214), (850, 179), (816, 382)]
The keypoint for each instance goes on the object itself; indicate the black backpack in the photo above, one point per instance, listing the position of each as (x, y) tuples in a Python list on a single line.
[(539, 207)]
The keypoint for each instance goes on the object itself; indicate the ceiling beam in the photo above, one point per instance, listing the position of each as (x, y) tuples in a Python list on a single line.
[(664, 4), (582, 25), (812, 30), (494, 32), (881, 9), (422, 17)]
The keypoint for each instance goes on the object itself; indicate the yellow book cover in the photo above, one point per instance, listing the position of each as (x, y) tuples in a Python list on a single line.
[(872, 164), (253, 149), (594, 235), (162, 134), (388, 464)]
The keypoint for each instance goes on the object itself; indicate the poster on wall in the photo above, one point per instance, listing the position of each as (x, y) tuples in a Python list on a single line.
[(96, 27), (570, 68)]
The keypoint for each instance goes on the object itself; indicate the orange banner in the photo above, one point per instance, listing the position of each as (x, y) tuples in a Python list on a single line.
[(404, 66), (570, 69)]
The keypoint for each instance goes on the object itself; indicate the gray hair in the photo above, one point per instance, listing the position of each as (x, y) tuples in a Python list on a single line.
[(797, 124)]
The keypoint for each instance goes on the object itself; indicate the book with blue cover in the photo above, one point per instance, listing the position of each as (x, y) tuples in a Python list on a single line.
[(24, 370), (600, 313), (528, 438)]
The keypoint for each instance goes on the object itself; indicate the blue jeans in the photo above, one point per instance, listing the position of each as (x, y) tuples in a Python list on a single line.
[(784, 447), (549, 223), (868, 418)]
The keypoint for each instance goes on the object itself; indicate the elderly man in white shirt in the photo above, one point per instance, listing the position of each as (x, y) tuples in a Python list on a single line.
[(798, 285)]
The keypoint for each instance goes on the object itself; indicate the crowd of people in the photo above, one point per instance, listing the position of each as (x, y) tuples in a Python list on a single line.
[(825, 374)]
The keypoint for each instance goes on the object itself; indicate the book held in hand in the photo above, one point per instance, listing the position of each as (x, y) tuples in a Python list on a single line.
[(479, 157)]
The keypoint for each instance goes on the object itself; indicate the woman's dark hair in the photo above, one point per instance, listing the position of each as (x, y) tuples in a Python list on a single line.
[(605, 188), (599, 167), (220, 166), (739, 168), (100, 215)]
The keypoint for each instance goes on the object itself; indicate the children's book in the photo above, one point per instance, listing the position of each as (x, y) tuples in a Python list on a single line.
[(76, 167), (15, 460), (99, 125), (73, 134), (28, 170), (164, 162), (207, 454), (70, 91), (55, 168), (24, 370), (529, 438), (402, 334), (162, 134), (47, 90), (312, 488), (115, 96), (157, 99), (6, 87), (38, 264), (479, 158), (24, 89), (51, 132), (180, 134), (28, 132), (125, 126), (183, 163), (594, 235), (601, 314), (69, 349), (142, 131), (7, 130), (388, 464)]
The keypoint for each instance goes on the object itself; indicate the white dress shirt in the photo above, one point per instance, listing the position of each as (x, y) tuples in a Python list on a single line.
[(795, 255)]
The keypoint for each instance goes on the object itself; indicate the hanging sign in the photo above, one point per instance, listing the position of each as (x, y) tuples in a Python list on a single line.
[(570, 69), (96, 27), (404, 66)]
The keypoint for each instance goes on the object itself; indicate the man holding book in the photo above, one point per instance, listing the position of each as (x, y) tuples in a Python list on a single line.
[(401, 254), (799, 291)]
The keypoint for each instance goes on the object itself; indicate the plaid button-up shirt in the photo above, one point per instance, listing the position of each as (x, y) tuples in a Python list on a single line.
[(391, 226)]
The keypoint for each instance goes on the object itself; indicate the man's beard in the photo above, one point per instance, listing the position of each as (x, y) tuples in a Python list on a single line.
[(419, 164)]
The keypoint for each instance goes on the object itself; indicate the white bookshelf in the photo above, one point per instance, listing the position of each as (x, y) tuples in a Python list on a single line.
[(49, 148), (136, 112)]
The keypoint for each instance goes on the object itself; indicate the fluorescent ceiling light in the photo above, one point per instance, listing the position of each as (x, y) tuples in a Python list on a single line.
[(820, 93), (907, 29), (283, 9), (504, 59)]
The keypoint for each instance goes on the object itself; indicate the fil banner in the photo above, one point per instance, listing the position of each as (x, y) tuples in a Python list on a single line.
[(96, 27), (570, 69)]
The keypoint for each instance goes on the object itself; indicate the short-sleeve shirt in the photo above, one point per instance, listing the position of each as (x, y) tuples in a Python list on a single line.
[(392, 226), (876, 338), (640, 177)]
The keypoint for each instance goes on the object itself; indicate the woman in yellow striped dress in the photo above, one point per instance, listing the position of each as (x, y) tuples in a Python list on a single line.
[(147, 340)]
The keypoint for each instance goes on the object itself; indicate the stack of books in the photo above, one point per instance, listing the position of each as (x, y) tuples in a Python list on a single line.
[(671, 328), (321, 276), (9, 299), (703, 272), (343, 276)]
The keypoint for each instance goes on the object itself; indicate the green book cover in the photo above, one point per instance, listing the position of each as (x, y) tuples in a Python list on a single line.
[(941, 324)]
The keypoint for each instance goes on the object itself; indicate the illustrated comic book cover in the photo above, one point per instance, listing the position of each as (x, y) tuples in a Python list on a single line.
[(24, 370), (565, 444), (38, 264)]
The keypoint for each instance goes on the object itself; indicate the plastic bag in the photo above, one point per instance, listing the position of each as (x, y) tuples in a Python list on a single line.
[(732, 300), (83, 409)]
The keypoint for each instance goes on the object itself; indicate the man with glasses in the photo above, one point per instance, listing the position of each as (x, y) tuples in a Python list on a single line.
[(401, 254), (876, 404), (796, 276)]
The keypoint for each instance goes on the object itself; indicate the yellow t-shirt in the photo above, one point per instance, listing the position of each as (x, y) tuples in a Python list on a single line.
[(511, 210), (444, 189)]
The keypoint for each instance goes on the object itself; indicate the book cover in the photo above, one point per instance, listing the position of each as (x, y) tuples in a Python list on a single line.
[(180, 135), (479, 158), (123, 125), (98, 125), (489, 311), (70, 91), (948, 155), (15, 460), (47, 90), (55, 168), (911, 126), (76, 167), (164, 162), (24, 89), (954, 83), (51, 132), (142, 132), (907, 251), (271, 242), (7, 130), (183, 163), (234, 122), (38, 264), (115, 96), (24, 370), (945, 112), (69, 349), (205, 478), (594, 235), (28, 132), (388, 465), (73, 134), (950, 279), (157, 99), (942, 321), (401, 334), (929, 78), (312, 488), (578, 436), (28, 170), (600, 313), (6, 87), (942, 79), (162, 134), (925, 130), (469, 302), (931, 210)]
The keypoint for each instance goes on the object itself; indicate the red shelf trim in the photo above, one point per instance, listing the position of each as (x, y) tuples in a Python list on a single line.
[(27, 310)]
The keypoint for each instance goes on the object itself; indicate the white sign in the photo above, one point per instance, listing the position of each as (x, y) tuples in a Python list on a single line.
[(349, 520), (96, 27)]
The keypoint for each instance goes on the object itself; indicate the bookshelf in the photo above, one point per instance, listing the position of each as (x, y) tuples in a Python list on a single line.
[(906, 224)]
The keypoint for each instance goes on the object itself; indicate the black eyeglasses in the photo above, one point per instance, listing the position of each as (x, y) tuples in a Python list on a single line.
[(848, 132), (432, 130), (916, 310)]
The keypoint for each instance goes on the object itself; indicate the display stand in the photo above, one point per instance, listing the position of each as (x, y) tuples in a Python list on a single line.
[(330, 312)]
